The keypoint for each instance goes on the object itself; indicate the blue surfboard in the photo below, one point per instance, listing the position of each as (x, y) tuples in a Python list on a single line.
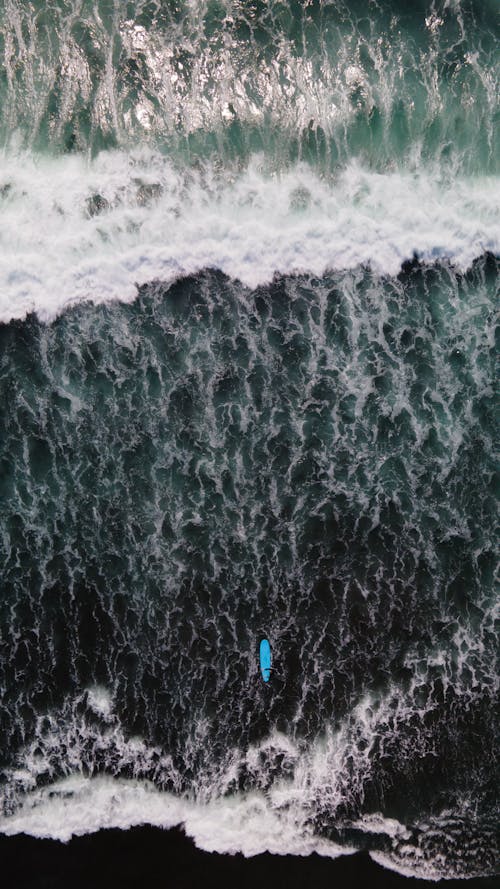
[(265, 660)]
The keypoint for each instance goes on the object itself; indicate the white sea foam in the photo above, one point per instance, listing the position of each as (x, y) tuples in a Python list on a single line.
[(417, 868), (245, 823), (59, 244), (100, 701), (278, 815)]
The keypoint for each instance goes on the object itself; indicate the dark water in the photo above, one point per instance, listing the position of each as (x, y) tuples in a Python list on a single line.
[(127, 859), (313, 461), (269, 411)]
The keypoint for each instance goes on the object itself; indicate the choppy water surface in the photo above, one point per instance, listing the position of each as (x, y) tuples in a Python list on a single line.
[(249, 274), (394, 83)]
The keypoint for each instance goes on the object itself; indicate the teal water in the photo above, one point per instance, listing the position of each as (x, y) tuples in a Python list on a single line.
[(248, 283), (391, 83)]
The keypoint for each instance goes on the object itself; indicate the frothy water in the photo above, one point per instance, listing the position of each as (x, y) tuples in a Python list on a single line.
[(311, 460), (391, 83), (248, 281), (73, 231)]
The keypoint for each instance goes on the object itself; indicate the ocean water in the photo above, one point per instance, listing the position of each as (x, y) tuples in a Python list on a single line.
[(249, 258)]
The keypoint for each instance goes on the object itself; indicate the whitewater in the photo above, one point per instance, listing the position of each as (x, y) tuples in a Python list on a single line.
[(124, 220), (248, 288)]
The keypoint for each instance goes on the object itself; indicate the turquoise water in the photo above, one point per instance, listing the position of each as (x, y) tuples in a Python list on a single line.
[(393, 84), (248, 281)]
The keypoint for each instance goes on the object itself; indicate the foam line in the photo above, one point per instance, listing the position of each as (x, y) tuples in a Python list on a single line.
[(80, 805), (74, 230)]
